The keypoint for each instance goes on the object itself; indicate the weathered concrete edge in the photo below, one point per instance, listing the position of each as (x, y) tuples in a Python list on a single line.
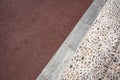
[(61, 57)]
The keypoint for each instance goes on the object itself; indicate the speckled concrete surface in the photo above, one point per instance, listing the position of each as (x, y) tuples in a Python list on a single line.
[(98, 56)]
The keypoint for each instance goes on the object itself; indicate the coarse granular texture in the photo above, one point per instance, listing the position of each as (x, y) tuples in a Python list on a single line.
[(98, 56)]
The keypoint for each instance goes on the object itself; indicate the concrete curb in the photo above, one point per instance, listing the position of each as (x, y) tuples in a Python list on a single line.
[(61, 57)]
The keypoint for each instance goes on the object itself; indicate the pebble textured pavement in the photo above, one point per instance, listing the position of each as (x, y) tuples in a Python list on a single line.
[(98, 56)]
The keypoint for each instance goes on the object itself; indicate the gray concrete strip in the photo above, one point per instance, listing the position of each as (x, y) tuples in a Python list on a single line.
[(99, 3), (76, 35), (56, 63), (91, 14), (63, 54)]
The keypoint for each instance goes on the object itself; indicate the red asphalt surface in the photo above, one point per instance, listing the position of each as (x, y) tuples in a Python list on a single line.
[(31, 31)]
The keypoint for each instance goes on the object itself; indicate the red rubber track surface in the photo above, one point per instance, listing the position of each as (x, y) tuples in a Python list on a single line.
[(31, 31)]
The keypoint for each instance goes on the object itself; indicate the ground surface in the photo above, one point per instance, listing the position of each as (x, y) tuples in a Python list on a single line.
[(31, 31)]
